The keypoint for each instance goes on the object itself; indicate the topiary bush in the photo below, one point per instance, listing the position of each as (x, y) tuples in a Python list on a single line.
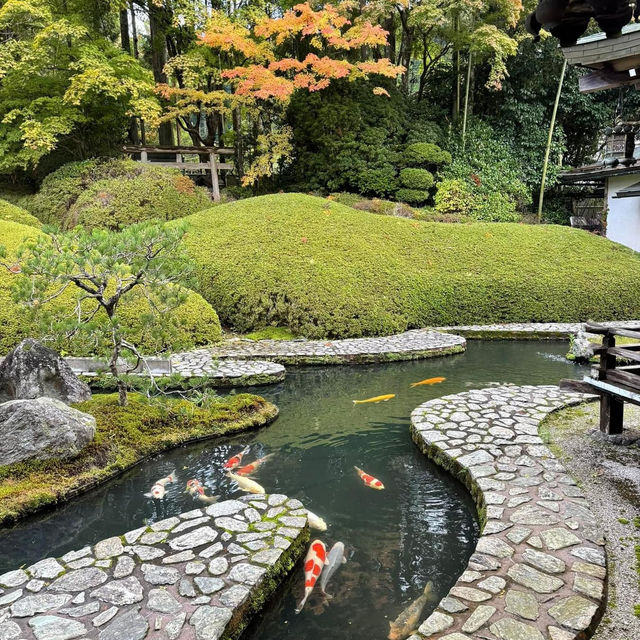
[(420, 154), (412, 196), (327, 270), (416, 179), (12, 213), (453, 197), (111, 193), (198, 322)]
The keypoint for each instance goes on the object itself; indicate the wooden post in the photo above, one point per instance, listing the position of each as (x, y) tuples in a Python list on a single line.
[(215, 186), (611, 407), (143, 156)]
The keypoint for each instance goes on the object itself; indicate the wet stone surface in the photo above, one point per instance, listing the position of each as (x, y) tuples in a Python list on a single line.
[(200, 363), (179, 585), (539, 569)]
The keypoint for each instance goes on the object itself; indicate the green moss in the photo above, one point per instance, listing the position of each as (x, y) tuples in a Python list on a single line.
[(12, 213), (623, 521), (196, 320), (124, 437), (271, 333), (326, 270)]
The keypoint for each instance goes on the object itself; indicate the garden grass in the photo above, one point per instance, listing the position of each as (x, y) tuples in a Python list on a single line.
[(323, 269), (124, 437)]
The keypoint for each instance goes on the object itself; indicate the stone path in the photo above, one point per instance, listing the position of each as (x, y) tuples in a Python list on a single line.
[(533, 330), (419, 343), (195, 576), (539, 569), (227, 373)]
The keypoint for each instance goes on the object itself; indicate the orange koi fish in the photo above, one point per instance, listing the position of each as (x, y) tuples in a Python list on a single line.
[(196, 491), (234, 461), (252, 466), (376, 399), (428, 381), (370, 481), (157, 491), (314, 562)]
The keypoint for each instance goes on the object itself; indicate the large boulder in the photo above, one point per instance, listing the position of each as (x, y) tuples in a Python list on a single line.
[(32, 370), (42, 428)]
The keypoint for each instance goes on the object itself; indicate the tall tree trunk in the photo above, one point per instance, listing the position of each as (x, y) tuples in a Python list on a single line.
[(125, 41), (391, 39), (134, 31), (158, 40), (239, 147)]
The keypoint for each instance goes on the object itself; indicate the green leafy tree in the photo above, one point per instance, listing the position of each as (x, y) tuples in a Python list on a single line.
[(98, 270)]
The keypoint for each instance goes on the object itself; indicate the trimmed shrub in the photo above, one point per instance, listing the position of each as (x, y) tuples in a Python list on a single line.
[(197, 321), (453, 197), (12, 213), (416, 179), (110, 193), (326, 270), (425, 154), (494, 207), (412, 196)]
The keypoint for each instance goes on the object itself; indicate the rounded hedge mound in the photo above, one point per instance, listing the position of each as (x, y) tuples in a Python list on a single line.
[(111, 193), (196, 320), (12, 213), (324, 269)]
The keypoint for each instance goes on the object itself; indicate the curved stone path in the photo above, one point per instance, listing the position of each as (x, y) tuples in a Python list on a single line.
[(531, 330), (539, 569), (197, 576), (227, 373), (419, 343)]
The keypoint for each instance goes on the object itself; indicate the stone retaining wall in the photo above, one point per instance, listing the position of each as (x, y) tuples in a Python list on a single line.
[(198, 576), (539, 569)]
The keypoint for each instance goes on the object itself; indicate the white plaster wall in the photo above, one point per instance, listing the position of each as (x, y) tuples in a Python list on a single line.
[(623, 218)]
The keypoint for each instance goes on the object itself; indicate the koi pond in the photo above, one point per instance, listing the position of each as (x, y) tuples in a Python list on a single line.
[(422, 527)]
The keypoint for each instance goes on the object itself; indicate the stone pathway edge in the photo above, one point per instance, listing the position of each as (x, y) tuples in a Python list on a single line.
[(539, 568)]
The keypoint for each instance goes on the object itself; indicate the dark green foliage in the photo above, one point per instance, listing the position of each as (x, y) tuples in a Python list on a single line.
[(111, 193), (423, 154), (416, 179), (12, 213), (346, 138), (323, 269), (124, 436), (412, 196)]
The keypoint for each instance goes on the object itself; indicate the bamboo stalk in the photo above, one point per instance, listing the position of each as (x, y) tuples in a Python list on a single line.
[(466, 101)]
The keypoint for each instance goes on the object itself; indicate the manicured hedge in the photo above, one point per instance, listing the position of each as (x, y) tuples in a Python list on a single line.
[(198, 322), (12, 213), (324, 269), (111, 193), (416, 178)]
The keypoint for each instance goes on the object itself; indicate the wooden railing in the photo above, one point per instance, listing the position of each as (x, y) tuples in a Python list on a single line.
[(614, 381), (212, 165)]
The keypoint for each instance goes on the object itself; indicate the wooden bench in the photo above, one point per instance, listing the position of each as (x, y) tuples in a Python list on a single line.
[(615, 383)]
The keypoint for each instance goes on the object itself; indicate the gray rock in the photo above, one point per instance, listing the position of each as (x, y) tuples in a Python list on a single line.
[(81, 611), (160, 575), (186, 588), (435, 623), (522, 604), (494, 546), (209, 585), (11, 597), (593, 556), (197, 538), (30, 605), (56, 628), (105, 616), (478, 618), (32, 370), (162, 601), (268, 556), (452, 605), (246, 574), (35, 585), (559, 538), (574, 612), (13, 578), (120, 592), (79, 580), (124, 567), (47, 569), (234, 596), (210, 622), (194, 568), (508, 629), (589, 586), (226, 508), (174, 626), (127, 626), (41, 429), (183, 556), (9, 631), (543, 561), (218, 566), (108, 548), (468, 593), (534, 579), (493, 584), (231, 524), (147, 553)]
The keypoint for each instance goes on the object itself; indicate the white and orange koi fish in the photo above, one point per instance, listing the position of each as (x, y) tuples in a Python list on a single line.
[(370, 481), (234, 461), (158, 490), (252, 466), (314, 562), (197, 491)]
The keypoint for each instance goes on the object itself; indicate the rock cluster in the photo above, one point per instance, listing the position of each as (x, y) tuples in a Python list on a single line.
[(539, 569), (191, 576)]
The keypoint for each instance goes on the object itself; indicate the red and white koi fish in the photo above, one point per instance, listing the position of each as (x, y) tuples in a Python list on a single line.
[(252, 466), (234, 461), (370, 481), (196, 491), (157, 491), (314, 562)]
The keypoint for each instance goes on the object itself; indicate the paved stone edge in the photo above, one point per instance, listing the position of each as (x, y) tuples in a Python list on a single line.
[(539, 569), (526, 331), (201, 574), (410, 345)]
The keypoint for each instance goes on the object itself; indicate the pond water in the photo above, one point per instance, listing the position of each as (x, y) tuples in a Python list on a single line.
[(421, 527)]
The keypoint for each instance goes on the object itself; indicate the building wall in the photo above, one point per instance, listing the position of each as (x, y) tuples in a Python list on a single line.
[(623, 218)]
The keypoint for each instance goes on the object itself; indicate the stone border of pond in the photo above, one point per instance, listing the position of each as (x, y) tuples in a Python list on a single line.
[(202, 574), (539, 569), (410, 345), (526, 331)]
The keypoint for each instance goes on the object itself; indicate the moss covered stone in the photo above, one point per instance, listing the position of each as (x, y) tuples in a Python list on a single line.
[(124, 437), (326, 270)]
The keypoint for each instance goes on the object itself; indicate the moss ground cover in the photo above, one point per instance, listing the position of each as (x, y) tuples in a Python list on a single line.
[(198, 322), (13, 213), (326, 270), (124, 437)]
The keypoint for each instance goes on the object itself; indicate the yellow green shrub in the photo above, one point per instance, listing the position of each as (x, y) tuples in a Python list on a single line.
[(12, 213)]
